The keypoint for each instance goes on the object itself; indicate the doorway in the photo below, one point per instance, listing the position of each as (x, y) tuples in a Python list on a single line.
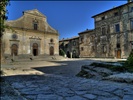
[(118, 54), (51, 50), (14, 50), (35, 49)]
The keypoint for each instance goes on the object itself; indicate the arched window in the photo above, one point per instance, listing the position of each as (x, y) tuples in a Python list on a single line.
[(51, 40), (35, 26)]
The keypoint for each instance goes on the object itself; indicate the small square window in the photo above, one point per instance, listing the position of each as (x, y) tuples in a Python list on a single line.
[(118, 45), (103, 17), (116, 14), (82, 48)]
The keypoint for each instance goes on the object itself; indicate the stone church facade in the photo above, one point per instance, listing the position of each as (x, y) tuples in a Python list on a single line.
[(112, 35), (33, 36)]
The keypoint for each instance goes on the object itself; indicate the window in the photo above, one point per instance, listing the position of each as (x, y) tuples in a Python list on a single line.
[(116, 14), (92, 48), (131, 23), (35, 26), (66, 46), (74, 43), (103, 49), (108, 29), (51, 40), (132, 9), (103, 30), (117, 28), (74, 51), (82, 48), (118, 45), (92, 38), (81, 39), (103, 17)]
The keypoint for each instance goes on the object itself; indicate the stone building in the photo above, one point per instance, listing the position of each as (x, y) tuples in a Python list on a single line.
[(112, 34), (70, 47), (32, 36), (86, 43), (114, 30)]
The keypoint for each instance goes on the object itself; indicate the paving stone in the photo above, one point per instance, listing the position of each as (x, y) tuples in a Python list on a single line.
[(90, 96), (31, 97), (108, 87), (128, 90), (75, 98), (65, 92), (128, 97), (80, 92), (119, 93), (108, 98), (18, 85), (48, 97)]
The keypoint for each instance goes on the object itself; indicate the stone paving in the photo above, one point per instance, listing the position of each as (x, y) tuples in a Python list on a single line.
[(61, 87), (55, 87)]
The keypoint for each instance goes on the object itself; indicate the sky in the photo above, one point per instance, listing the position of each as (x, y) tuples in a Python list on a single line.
[(68, 17)]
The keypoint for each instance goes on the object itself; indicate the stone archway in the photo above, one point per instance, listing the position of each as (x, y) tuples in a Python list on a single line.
[(35, 49), (51, 50), (68, 54), (14, 50)]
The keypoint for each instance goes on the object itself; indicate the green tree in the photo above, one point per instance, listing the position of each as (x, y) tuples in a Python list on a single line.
[(3, 17), (129, 61), (61, 52)]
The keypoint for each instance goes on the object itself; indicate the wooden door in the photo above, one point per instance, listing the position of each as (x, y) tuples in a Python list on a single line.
[(51, 50), (118, 53), (14, 50)]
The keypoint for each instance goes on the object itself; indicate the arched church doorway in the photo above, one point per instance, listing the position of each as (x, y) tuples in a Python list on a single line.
[(51, 50), (35, 49), (14, 50)]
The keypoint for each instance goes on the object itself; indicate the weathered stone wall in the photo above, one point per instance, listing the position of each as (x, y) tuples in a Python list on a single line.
[(113, 38), (87, 44)]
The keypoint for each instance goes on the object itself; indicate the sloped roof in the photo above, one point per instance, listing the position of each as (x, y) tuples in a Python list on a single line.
[(35, 12), (19, 23), (86, 31), (68, 39), (112, 9)]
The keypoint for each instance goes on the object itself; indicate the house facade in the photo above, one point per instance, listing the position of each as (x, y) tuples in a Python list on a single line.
[(114, 32), (70, 47), (112, 36), (32, 35), (87, 43)]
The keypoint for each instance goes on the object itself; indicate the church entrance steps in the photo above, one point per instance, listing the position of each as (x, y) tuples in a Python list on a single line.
[(34, 58)]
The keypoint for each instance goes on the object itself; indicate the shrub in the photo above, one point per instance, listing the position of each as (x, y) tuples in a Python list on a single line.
[(129, 61), (61, 52)]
